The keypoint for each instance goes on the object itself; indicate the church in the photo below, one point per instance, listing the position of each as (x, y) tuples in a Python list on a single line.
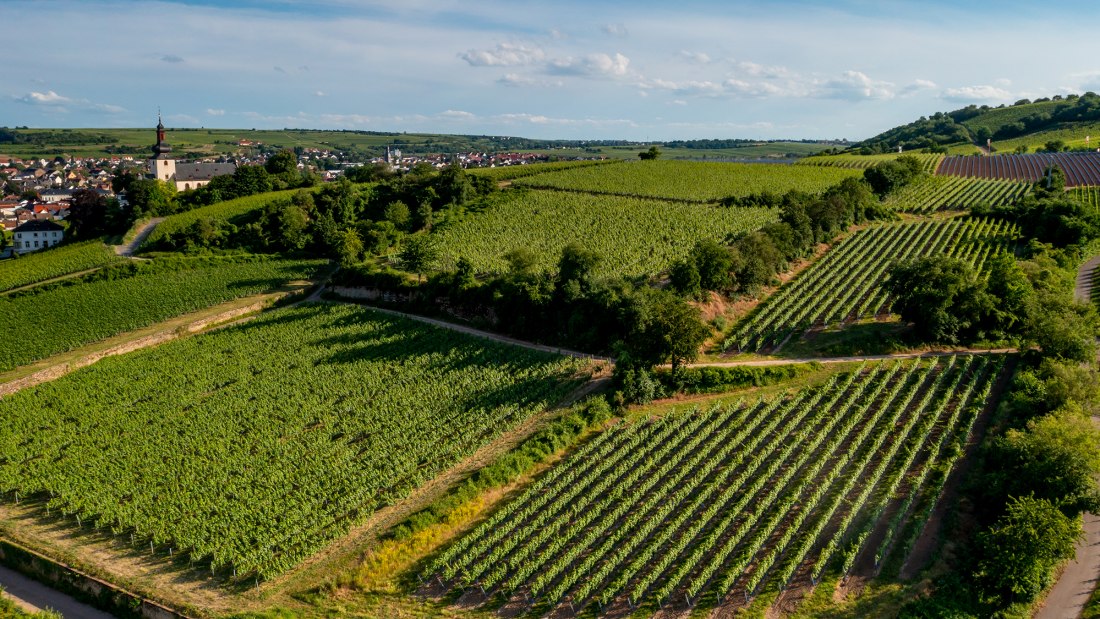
[(185, 175)]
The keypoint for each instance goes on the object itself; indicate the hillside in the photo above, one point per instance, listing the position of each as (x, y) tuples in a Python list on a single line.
[(1030, 124)]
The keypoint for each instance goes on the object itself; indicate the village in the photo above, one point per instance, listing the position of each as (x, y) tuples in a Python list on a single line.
[(35, 194)]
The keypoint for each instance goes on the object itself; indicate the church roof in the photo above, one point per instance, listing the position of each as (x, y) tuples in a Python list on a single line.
[(203, 171)]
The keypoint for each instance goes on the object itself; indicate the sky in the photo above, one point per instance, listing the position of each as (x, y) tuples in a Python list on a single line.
[(562, 69)]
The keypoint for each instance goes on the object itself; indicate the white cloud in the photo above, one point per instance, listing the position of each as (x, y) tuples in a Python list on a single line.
[(970, 94), (917, 86), (171, 58), (517, 80), (758, 70), (214, 112), (539, 119), (503, 55), (615, 30), (592, 65), (695, 57), (457, 115), (741, 88), (319, 93), (855, 86), (44, 98)]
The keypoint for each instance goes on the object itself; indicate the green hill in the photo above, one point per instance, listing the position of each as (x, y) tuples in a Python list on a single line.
[(1030, 124)]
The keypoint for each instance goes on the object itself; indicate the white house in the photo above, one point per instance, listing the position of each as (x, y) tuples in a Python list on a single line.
[(37, 234)]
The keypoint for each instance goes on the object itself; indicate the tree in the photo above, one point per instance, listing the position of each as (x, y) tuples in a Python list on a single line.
[(942, 296), (666, 329), (714, 264), (1021, 550), (150, 197), (521, 261), (349, 249), (419, 253), (283, 166), (398, 213), (650, 155), (576, 265), (250, 180), (92, 215), (684, 277)]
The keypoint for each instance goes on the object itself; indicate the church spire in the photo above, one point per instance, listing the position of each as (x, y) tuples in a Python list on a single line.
[(161, 149)]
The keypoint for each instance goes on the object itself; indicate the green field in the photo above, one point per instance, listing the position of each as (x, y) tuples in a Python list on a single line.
[(247, 449), (59, 318), (846, 284), (1072, 135), (712, 508), (860, 162), (689, 181), (994, 119), (935, 193), (56, 262), (504, 173), (633, 236)]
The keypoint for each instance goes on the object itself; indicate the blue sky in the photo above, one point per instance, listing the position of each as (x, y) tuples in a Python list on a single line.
[(563, 69)]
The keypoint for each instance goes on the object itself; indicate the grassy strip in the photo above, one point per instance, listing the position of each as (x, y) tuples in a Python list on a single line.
[(428, 529), (718, 379), (9, 610)]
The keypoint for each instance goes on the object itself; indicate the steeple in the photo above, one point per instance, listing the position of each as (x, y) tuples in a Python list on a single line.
[(161, 148)]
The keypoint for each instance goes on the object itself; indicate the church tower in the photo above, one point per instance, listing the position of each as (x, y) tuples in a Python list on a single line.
[(161, 166)]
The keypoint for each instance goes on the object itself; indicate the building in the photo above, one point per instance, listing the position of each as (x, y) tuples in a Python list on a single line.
[(184, 175), (37, 234)]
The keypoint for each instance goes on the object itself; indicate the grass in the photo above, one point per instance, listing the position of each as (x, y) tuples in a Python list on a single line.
[(1073, 135)]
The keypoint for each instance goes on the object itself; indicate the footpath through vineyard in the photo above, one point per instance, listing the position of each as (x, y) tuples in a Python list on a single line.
[(717, 507)]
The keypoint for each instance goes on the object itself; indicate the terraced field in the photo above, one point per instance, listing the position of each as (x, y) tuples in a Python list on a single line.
[(714, 507), (846, 284), (940, 193)]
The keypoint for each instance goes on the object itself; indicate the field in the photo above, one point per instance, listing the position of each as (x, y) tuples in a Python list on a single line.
[(846, 284), (504, 173), (1090, 196), (996, 118), (1072, 136), (59, 318), (180, 222), (860, 162), (40, 266), (633, 236), (716, 507), (243, 451), (937, 193), (1080, 168), (688, 181)]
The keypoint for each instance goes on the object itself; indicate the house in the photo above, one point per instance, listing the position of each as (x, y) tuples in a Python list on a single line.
[(37, 234)]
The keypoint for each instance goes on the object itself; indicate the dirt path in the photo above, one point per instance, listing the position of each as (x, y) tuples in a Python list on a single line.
[(486, 334), (1070, 594), (1082, 290), (143, 232), (33, 596)]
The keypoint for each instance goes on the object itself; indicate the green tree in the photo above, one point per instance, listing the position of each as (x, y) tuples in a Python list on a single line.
[(576, 265), (1022, 549), (397, 212), (650, 155), (684, 277), (942, 296), (150, 197), (283, 166), (349, 248), (92, 215), (521, 261), (419, 253), (250, 180), (666, 330), (293, 227), (714, 264)]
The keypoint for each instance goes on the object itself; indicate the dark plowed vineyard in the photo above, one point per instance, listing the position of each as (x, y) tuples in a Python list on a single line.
[(718, 506), (1080, 168)]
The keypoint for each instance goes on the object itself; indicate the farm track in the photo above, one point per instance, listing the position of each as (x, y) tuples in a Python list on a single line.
[(32, 596), (143, 232)]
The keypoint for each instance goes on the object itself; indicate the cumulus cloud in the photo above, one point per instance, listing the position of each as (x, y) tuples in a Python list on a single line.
[(968, 94), (44, 98), (213, 112), (503, 55), (742, 88), (686, 87), (516, 80), (758, 70), (457, 115), (53, 101), (171, 58), (615, 30), (695, 57), (855, 86), (540, 119), (592, 65)]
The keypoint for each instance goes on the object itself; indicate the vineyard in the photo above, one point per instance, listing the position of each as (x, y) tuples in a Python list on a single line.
[(846, 284), (43, 265), (716, 507), (632, 236), (504, 173), (63, 317), (225, 211), (245, 450), (1080, 168), (937, 193), (1089, 196), (929, 162), (689, 180)]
